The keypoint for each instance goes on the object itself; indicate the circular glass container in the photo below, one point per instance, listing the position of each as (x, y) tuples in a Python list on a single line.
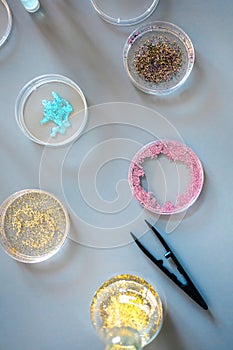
[(158, 57), (124, 13), (29, 109), (185, 180), (127, 301), (34, 225), (5, 21)]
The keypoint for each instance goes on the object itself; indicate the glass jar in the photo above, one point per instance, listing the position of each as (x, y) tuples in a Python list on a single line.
[(126, 312)]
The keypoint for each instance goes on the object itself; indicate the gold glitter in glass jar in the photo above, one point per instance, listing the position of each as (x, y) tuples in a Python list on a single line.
[(127, 301), (34, 225)]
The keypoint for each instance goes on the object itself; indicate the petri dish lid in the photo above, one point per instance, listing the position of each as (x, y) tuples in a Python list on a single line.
[(175, 181), (5, 21), (158, 42), (33, 226), (29, 109), (124, 12)]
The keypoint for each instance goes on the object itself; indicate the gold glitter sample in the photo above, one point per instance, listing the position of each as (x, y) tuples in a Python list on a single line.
[(34, 225), (127, 301)]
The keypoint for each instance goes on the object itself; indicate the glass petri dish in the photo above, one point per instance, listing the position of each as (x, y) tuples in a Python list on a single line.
[(124, 12), (5, 21), (158, 57), (29, 109), (127, 301), (185, 179), (34, 225)]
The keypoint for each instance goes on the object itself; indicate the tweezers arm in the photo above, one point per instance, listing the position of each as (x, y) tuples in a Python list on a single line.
[(157, 262), (189, 287), (169, 253)]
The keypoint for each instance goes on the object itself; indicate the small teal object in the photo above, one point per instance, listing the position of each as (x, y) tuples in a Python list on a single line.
[(31, 5), (57, 111)]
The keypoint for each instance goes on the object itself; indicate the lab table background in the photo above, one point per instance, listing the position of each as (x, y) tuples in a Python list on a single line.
[(46, 305)]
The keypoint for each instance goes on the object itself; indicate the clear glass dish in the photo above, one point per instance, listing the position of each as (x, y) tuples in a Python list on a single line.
[(29, 109), (158, 57), (124, 13), (34, 225), (123, 303), (180, 177), (5, 21)]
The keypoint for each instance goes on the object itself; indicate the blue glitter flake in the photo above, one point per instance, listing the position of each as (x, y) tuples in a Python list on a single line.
[(57, 111)]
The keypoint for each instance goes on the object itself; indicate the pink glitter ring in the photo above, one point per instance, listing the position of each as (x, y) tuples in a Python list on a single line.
[(176, 152)]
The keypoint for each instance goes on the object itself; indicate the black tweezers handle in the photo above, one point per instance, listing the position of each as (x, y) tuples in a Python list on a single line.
[(189, 288)]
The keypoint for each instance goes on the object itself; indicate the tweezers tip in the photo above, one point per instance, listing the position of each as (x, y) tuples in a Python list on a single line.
[(205, 306), (147, 222), (134, 237)]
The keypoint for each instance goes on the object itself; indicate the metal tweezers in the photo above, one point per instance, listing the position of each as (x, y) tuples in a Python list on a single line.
[(187, 287)]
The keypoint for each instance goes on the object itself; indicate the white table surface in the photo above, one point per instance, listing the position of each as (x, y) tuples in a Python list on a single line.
[(46, 306)]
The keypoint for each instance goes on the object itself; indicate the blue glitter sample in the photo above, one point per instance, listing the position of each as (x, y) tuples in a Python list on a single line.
[(57, 111)]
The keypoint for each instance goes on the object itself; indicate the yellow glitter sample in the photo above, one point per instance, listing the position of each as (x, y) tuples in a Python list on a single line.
[(34, 225), (127, 301)]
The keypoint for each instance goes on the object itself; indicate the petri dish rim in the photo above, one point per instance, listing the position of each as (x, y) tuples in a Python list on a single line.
[(164, 27), (9, 23), (125, 22), (3, 240), (29, 88)]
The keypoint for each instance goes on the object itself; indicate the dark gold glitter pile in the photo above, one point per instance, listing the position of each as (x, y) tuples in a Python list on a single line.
[(158, 60)]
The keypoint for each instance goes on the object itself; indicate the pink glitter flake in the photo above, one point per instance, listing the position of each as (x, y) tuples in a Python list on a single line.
[(174, 151)]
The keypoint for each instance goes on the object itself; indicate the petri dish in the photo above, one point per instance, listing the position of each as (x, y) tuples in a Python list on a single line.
[(5, 21), (158, 57), (182, 177), (124, 12), (29, 109), (34, 225)]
